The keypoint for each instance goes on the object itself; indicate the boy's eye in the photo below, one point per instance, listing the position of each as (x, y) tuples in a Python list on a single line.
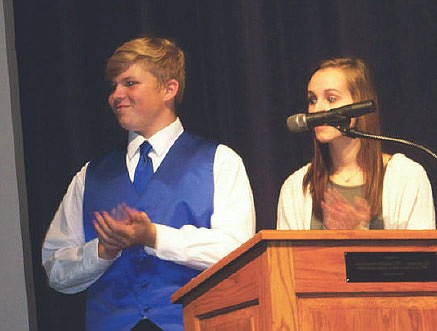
[(312, 100), (332, 99), (111, 88), (130, 83)]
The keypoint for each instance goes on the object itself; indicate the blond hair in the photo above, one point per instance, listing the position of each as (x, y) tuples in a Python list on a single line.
[(160, 56)]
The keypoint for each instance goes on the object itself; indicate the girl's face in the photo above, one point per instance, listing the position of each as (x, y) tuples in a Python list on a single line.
[(328, 89)]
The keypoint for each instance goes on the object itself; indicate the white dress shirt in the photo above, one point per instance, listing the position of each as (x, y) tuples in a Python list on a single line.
[(72, 264)]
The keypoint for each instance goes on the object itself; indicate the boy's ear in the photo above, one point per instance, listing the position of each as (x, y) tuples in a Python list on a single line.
[(171, 89)]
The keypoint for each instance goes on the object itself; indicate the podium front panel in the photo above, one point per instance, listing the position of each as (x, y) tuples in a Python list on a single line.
[(296, 280)]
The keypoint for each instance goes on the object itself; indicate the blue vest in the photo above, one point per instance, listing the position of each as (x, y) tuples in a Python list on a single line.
[(180, 192)]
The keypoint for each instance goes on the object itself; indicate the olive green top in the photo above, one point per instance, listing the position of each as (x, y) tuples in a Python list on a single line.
[(349, 193)]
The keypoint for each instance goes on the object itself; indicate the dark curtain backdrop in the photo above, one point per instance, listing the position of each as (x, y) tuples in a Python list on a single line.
[(248, 64)]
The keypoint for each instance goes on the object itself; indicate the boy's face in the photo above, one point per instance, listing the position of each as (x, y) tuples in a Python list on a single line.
[(139, 101)]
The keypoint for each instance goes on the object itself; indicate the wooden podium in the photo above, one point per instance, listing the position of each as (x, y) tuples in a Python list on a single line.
[(311, 280)]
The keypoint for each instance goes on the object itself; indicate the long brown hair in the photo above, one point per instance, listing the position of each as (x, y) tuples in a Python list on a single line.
[(369, 156)]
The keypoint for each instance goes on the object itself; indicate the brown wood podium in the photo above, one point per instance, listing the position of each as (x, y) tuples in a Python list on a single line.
[(299, 280)]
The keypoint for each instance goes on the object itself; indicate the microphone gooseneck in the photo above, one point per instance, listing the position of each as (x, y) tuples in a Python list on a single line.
[(352, 133)]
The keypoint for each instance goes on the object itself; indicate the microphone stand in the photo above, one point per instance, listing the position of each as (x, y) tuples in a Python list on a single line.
[(352, 133)]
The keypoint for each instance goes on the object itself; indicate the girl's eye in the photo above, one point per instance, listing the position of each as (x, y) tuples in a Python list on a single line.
[(311, 100), (130, 83), (332, 99)]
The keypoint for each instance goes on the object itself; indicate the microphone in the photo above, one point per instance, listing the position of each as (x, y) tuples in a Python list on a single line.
[(306, 121)]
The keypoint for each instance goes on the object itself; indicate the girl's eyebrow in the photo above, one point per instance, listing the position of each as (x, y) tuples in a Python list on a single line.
[(327, 90), (332, 90)]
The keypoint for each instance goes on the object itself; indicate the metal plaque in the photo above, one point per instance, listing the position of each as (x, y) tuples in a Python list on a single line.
[(391, 266)]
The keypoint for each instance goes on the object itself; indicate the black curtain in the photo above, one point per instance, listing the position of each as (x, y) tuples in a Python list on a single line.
[(248, 63)]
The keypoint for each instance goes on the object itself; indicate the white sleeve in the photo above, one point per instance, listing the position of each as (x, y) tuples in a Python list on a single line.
[(232, 222), (294, 206), (71, 264), (284, 217), (407, 196)]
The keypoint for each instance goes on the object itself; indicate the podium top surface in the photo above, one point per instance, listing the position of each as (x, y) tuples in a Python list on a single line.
[(310, 237), (344, 235)]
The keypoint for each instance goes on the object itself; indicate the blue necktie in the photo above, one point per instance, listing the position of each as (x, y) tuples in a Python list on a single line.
[(144, 169)]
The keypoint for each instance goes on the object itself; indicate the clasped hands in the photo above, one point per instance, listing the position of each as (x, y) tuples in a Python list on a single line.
[(339, 214), (123, 227)]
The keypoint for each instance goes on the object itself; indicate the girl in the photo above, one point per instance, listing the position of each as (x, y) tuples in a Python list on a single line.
[(350, 183)]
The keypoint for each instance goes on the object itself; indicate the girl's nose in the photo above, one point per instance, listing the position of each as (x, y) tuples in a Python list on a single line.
[(316, 107), (319, 106)]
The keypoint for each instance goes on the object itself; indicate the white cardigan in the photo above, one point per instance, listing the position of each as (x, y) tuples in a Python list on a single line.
[(407, 200)]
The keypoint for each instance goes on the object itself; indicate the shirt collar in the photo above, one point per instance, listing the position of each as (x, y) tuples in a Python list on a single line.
[(161, 141)]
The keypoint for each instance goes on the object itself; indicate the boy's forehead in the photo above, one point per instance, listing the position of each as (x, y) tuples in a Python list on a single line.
[(133, 70)]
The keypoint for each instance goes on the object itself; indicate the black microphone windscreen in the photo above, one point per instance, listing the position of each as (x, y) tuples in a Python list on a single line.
[(306, 121)]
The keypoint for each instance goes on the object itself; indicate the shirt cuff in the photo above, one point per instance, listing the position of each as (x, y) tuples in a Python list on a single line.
[(166, 242), (91, 256)]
